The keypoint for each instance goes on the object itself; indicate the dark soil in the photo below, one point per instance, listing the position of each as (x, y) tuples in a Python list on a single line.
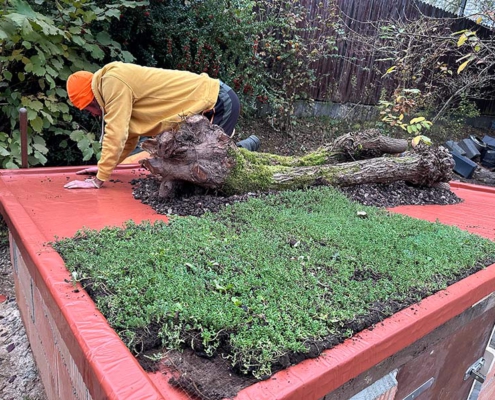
[(213, 378), (379, 195)]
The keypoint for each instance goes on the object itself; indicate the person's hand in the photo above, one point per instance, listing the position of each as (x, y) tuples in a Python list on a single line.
[(88, 171), (86, 184)]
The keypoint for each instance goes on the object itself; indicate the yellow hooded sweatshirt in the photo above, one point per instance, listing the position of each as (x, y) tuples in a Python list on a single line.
[(143, 101)]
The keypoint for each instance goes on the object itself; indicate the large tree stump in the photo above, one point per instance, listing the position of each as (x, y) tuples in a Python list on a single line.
[(201, 153)]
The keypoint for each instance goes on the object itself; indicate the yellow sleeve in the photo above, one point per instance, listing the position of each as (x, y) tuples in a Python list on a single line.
[(118, 109), (129, 146)]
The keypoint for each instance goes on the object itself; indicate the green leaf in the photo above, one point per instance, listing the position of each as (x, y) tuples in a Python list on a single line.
[(11, 165), (18, 19), (47, 116), (96, 52), (390, 70), (35, 105), (42, 149), (76, 136), (462, 40), (104, 38), (83, 144), (40, 157), (50, 80), (39, 140), (78, 40), (57, 64), (237, 302), (37, 124), (31, 114), (7, 75), (127, 57), (51, 48), (4, 152), (64, 108), (38, 70), (87, 154), (112, 13), (51, 71), (49, 30), (61, 92)]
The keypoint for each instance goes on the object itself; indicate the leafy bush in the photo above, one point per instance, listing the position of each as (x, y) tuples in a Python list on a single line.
[(264, 50), (41, 45)]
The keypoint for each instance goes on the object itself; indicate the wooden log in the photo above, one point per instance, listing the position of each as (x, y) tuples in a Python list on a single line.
[(201, 153)]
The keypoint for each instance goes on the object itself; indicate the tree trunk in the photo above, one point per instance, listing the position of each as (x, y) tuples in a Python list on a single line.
[(201, 153)]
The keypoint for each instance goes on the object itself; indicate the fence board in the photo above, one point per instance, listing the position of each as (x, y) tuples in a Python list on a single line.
[(347, 79)]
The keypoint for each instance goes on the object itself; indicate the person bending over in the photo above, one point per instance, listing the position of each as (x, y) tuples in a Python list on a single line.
[(135, 101)]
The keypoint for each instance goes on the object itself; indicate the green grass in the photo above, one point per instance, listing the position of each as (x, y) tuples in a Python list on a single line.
[(267, 277)]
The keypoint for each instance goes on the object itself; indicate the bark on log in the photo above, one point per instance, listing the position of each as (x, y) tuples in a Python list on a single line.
[(367, 144), (201, 153), (198, 153)]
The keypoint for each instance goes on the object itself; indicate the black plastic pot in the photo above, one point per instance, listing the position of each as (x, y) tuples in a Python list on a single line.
[(463, 165), (480, 145), (489, 141), (453, 146), (252, 143), (470, 148), (488, 160)]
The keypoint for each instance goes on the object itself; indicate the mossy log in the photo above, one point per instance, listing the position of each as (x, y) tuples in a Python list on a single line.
[(201, 153)]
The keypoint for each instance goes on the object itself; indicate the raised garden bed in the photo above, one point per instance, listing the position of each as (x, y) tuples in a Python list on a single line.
[(37, 210), (268, 282)]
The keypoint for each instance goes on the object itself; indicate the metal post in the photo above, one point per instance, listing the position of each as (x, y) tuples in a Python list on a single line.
[(23, 127)]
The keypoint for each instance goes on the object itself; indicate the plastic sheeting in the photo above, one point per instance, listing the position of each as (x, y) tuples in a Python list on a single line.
[(37, 209), (476, 214)]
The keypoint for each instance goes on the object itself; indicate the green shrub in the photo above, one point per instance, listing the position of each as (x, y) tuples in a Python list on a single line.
[(264, 50), (42, 43)]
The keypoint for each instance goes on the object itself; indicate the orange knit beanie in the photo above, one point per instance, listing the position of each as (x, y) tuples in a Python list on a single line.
[(79, 89)]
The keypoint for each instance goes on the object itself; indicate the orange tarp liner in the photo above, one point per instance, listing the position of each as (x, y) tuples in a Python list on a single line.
[(37, 209)]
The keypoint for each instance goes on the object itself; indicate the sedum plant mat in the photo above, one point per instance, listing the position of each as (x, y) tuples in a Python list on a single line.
[(266, 281)]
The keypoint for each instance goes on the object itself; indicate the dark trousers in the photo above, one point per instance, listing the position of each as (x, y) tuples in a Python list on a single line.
[(226, 111)]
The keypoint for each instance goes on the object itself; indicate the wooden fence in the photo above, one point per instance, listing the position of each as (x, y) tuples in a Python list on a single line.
[(346, 79)]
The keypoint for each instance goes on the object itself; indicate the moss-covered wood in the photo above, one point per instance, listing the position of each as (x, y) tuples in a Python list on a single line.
[(426, 168), (200, 153)]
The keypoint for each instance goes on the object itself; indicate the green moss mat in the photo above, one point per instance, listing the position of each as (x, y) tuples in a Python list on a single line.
[(263, 280)]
